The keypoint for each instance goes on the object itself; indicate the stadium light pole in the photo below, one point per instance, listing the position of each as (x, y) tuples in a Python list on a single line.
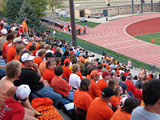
[(74, 41), (151, 5), (132, 6)]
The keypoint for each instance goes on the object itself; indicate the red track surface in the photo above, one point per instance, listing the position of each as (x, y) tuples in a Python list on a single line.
[(112, 35), (144, 27)]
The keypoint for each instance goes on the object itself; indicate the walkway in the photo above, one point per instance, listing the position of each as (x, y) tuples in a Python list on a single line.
[(112, 35)]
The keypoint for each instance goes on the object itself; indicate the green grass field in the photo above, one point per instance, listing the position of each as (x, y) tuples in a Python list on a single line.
[(150, 38), (89, 24)]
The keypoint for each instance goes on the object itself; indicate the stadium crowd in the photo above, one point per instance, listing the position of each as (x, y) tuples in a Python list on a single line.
[(40, 74)]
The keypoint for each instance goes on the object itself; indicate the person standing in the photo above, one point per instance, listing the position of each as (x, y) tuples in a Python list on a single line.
[(25, 27)]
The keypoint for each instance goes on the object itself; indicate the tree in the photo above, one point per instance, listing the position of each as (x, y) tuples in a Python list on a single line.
[(54, 3), (2, 6), (12, 8), (39, 6), (26, 11)]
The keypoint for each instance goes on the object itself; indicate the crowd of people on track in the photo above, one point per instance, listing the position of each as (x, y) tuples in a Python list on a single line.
[(40, 74), (65, 27)]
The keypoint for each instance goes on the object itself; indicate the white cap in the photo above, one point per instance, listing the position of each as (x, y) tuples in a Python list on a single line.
[(17, 40), (50, 51), (25, 41), (14, 28), (26, 57), (4, 31), (23, 91)]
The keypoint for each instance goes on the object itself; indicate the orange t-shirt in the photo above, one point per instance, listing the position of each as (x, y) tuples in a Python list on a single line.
[(66, 72), (28, 45), (17, 57), (94, 91), (80, 75), (60, 86), (116, 101), (99, 110), (88, 76), (42, 67), (37, 60), (102, 84), (108, 67), (37, 46), (48, 75), (4, 50), (24, 26), (121, 115), (82, 99), (11, 53)]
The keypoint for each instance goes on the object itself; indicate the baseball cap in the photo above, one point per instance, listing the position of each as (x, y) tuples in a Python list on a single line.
[(4, 31), (67, 60), (25, 41), (50, 51), (26, 57), (23, 91), (17, 40), (105, 73), (107, 92), (94, 73)]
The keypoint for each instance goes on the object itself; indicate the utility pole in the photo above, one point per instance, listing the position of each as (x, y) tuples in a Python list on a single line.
[(141, 6), (132, 6), (74, 41), (151, 5)]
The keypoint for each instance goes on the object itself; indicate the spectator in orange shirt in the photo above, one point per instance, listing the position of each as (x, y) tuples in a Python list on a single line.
[(9, 39), (12, 50), (94, 91), (31, 40), (48, 73), (90, 69), (66, 70), (24, 26), (124, 113), (19, 49), (116, 99), (82, 100), (61, 86), (40, 57), (42, 66), (32, 48), (102, 83), (99, 110)]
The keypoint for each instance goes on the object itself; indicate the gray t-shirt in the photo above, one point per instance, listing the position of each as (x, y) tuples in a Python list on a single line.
[(141, 114)]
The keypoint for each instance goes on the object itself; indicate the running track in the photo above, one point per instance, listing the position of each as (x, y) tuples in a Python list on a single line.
[(112, 35)]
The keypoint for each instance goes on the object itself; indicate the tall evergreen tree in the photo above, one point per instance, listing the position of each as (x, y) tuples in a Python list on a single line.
[(12, 8), (26, 11)]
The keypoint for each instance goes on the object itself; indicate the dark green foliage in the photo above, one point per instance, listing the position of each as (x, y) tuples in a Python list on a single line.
[(33, 21), (12, 8)]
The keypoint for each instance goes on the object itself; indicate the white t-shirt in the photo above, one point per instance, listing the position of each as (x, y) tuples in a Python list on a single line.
[(74, 81)]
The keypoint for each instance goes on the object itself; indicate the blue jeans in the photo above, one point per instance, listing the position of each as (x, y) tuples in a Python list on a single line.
[(47, 91), (2, 71), (69, 99)]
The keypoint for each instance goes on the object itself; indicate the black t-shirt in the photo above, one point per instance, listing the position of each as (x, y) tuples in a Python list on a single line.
[(31, 78)]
